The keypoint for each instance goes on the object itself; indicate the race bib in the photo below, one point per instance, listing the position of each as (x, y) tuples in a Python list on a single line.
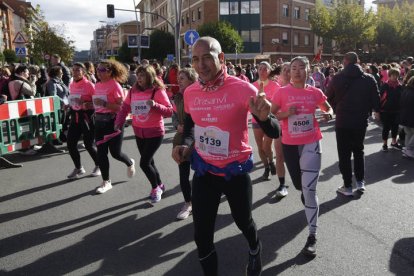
[(298, 124), (140, 107), (212, 140), (102, 97), (75, 101)]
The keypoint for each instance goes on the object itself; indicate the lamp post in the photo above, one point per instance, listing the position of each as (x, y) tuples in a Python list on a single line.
[(138, 34)]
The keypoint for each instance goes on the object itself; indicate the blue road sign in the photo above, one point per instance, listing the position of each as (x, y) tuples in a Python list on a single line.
[(20, 51), (170, 57), (191, 36)]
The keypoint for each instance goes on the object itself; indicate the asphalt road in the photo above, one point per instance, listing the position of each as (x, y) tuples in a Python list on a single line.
[(51, 226)]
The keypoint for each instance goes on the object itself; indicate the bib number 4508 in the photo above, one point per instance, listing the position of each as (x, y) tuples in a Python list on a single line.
[(301, 123)]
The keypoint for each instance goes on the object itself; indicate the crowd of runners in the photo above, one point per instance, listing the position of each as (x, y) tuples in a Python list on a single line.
[(285, 102)]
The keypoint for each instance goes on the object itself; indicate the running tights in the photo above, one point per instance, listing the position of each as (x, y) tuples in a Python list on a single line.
[(147, 148)]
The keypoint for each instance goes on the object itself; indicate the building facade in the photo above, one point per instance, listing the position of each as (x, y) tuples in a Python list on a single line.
[(269, 28)]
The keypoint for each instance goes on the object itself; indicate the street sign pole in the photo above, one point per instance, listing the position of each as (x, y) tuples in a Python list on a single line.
[(178, 4), (138, 34)]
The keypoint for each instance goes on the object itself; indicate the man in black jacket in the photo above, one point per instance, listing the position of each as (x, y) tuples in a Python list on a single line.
[(55, 60), (353, 95)]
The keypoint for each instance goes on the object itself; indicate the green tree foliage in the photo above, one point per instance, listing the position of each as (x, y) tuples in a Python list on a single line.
[(224, 32), (126, 54), (394, 31), (46, 39), (161, 44), (10, 56), (347, 24)]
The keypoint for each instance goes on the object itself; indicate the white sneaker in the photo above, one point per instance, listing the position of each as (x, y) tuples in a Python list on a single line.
[(131, 169), (345, 191), (186, 211), (361, 186), (156, 194), (105, 186), (96, 171), (281, 191), (76, 173)]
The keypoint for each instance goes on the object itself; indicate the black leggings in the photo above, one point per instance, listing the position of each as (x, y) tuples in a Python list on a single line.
[(114, 145), (81, 125), (147, 148), (390, 122), (207, 191), (184, 169)]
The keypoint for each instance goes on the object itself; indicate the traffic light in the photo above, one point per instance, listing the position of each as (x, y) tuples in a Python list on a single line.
[(110, 11)]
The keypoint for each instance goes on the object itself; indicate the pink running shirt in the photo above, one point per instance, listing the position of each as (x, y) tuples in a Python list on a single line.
[(220, 121), (301, 128), (144, 116), (80, 91), (109, 91)]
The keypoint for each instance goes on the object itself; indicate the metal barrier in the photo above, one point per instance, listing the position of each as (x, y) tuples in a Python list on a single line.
[(29, 122)]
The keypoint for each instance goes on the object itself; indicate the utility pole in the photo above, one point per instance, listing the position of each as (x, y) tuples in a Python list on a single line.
[(178, 8), (138, 35)]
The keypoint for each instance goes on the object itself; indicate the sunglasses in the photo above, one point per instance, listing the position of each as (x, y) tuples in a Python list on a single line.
[(102, 70)]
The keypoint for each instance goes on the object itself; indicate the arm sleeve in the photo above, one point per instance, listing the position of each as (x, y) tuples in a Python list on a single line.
[(188, 135), (270, 127)]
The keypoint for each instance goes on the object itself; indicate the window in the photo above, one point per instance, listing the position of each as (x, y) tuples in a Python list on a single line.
[(187, 19), (254, 36), (285, 38), (245, 35), (182, 21), (234, 7), (306, 39), (245, 7), (306, 14), (224, 8), (193, 16), (296, 13), (199, 13), (285, 10), (296, 40), (255, 7)]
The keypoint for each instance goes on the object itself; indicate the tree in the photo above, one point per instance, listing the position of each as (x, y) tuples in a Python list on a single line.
[(348, 24), (225, 33), (161, 44), (9, 56), (46, 39), (126, 54)]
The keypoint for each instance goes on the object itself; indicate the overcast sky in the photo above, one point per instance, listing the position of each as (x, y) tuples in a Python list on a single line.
[(81, 17)]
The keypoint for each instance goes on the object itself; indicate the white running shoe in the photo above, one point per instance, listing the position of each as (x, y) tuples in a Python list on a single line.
[(361, 186), (186, 211), (96, 171), (131, 169), (105, 186), (281, 191), (345, 191), (76, 173), (156, 194)]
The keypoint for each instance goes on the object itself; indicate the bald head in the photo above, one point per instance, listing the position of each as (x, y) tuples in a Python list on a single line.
[(212, 44)]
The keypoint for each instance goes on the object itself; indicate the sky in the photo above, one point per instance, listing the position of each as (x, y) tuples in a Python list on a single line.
[(81, 17)]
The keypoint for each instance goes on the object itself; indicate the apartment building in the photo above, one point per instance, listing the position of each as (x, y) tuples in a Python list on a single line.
[(269, 28)]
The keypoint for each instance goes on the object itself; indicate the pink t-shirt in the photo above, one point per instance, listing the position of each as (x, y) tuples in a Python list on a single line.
[(109, 91), (80, 91), (143, 115), (301, 128), (220, 121), (269, 89)]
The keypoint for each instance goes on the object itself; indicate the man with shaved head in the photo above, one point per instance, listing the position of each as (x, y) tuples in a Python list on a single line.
[(354, 96), (217, 107)]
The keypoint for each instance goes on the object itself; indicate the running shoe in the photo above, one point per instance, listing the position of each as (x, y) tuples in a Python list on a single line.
[(384, 148), (76, 173), (272, 168), (105, 186), (131, 169), (361, 186), (310, 246), (156, 194), (185, 212), (162, 187), (281, 191), (266, 174), (396, 146), (96, 171), (254, 266), (345, 191)]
